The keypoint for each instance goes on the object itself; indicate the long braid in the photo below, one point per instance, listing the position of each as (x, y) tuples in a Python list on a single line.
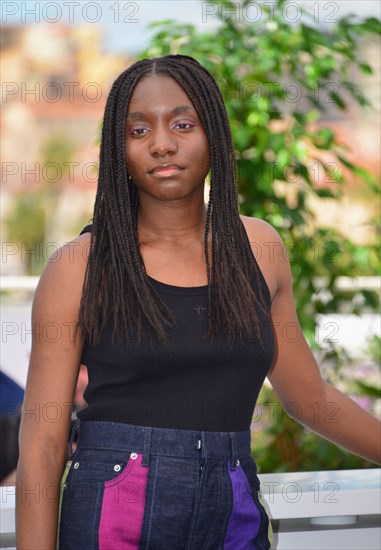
[(116, 266)]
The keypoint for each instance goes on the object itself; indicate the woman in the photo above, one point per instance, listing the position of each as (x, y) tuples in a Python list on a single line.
[(178, 326)]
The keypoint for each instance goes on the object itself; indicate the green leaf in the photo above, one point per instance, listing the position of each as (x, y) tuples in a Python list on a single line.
[(373, 25), (326, 193), (362, 172), (366, 389), (366, 68)]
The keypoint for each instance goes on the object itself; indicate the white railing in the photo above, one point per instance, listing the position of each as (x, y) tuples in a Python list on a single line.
[(10, 282)]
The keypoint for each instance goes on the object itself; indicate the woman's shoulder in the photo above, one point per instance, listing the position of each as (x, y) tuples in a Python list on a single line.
[(62, 279), (260, 231), (269, 251), (72, 254), (265, 240)]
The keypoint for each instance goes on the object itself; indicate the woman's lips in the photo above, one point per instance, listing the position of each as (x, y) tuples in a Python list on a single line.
[(164, 171)]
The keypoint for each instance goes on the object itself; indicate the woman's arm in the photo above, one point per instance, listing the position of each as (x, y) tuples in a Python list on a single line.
[(52, 376), (295, 374)]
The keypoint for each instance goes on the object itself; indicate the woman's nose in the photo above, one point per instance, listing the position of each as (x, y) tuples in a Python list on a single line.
[(162, 143)]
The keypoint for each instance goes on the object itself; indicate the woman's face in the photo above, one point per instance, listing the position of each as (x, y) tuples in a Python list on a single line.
[(167, 149)]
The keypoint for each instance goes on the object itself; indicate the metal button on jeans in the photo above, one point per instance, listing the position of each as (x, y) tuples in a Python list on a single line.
[(76, 465), (117, 468), (134, 456)]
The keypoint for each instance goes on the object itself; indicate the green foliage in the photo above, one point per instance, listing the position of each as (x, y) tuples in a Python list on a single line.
[(31, 214), (25, 221), (277, 80), (58, 150), (373, 391), (375, 348)]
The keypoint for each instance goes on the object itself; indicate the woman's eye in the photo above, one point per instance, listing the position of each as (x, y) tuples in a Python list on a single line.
[(184, 125), (136, 131)]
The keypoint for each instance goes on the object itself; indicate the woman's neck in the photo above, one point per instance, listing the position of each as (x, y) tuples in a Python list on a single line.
[(172, 223)]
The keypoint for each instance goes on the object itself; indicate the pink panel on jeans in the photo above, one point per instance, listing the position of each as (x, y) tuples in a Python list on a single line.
[(123, 508)]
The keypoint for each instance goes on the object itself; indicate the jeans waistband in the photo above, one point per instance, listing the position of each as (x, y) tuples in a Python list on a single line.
[(164, 441)]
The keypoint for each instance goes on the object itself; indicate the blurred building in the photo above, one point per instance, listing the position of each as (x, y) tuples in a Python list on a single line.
[(55, 85)]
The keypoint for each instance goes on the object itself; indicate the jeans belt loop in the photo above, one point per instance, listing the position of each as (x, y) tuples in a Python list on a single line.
[(203, 447), (74, 432), (147, 446), (233, 464)]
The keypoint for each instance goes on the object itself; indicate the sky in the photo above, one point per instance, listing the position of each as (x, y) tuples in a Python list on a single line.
[(124, 23)]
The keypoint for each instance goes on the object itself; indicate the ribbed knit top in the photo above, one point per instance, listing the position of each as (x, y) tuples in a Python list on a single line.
[(192, 383)]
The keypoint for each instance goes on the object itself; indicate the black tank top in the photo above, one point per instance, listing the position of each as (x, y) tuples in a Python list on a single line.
[(193, 383)]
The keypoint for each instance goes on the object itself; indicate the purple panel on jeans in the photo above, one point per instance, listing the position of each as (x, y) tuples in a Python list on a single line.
[(245, 517)]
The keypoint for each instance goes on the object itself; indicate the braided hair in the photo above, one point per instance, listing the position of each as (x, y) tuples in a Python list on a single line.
[(115, 265)]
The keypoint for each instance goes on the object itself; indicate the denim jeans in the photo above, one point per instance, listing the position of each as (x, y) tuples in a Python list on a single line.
[(132, 487)]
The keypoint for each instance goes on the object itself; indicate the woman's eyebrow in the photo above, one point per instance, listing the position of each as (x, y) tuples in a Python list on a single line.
[(176, 111), (181, 109), (136, 114)]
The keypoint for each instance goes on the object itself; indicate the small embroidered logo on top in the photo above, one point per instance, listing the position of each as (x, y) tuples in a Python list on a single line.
[(200, 311)]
